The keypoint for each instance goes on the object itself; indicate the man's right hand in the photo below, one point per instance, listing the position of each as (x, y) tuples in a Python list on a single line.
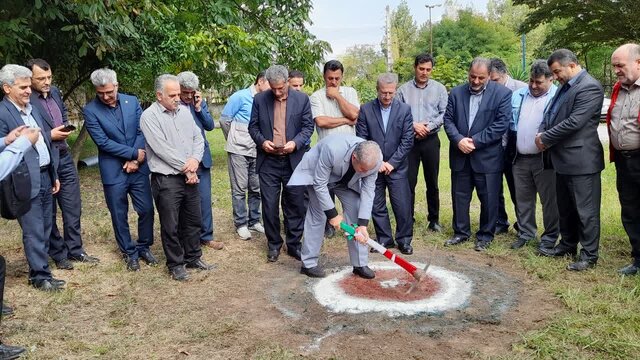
[(335, 221), (32, 134), (466, 145), (333, 92), (269, 147), (58, 135), (13, 134), (421, 130), (141, 155)]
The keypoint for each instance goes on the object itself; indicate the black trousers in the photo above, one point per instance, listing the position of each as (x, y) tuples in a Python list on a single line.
[(3, 275), (628, 184), (399, 196), (178, 207), (427, 152), (579, 209), (503, 218), (274, 175), (487, 187)]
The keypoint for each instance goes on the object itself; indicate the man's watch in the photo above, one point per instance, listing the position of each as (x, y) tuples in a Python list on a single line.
[(136, 162)]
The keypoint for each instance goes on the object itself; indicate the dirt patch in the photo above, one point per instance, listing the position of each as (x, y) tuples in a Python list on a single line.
[(391, 285)]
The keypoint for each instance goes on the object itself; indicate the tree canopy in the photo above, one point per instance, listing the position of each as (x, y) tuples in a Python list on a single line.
[(225, 42)]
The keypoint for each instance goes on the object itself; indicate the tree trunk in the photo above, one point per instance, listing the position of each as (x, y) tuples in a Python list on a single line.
[(76, 148)]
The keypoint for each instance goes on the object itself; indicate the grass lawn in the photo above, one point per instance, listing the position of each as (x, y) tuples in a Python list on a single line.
[(110, 313)]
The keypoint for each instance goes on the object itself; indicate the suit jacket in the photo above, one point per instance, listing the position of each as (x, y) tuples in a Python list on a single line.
[(116, 142), (326, 163), (55, 94), (10, 119), (396, 140), (571, 136), (205, 122), (299, 124), (489, 125)]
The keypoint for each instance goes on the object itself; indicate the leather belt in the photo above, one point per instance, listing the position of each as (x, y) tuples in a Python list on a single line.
[(529, 156), (629, 153), (44, 168)]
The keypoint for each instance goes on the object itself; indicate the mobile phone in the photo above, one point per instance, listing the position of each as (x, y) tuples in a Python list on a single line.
[(278, 146), (68, 128)]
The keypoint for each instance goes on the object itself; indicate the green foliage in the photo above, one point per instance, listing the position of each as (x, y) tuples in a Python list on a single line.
[(362, 65), (584, 24), (225, 42), (469, 36), (450, 71)]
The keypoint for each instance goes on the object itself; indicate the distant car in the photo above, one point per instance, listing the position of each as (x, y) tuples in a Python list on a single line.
[(605, 108)]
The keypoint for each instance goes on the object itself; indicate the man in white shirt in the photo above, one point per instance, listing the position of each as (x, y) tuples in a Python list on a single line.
[(530, 176)]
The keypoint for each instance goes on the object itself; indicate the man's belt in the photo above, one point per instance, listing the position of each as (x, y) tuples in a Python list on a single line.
[(629, 153), (529, 156), (44, 168)]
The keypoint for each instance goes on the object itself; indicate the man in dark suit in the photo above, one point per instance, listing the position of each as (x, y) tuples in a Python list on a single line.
[(41, 160), (389, 123), (281, 125), (192, 98), (477, 116), (113, 121), (569, 136), (48, 100)]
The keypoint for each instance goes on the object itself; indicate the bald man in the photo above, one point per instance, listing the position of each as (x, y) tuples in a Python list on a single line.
[(623, 121)]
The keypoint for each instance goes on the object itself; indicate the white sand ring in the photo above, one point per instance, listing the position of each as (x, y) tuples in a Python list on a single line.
[(455, 289)]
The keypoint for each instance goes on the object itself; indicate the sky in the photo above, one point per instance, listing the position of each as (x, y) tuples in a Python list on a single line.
[(362, 21)]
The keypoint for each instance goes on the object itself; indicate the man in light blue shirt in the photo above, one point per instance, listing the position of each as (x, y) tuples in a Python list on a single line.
[(241, 150), (530, 176)]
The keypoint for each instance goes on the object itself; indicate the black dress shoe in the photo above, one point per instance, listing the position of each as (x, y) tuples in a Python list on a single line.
[(630, 269), (179, 273), (6, 311), (46, 285), (481, 245), (456, 240), (272, 255), (581, 265), (8, 352), (434, 226), (84, 257), (314, 272), (64, 264), (58, 282), (520, 242), (133, 264), (200, 265), (364, 272), (295, 254), (501, 229), (556, 251), (405, 249), (148, 257)]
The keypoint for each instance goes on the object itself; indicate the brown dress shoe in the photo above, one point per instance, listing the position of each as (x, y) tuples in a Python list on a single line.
[(215, 245)]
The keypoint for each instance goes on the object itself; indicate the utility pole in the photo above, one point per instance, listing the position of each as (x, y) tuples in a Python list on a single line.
[(387, 33), (430, 27)]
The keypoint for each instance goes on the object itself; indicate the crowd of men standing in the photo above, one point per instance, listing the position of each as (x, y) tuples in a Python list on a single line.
[(542, 137)]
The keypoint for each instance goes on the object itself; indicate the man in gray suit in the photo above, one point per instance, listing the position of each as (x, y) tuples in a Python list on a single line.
[(569, 134), (348, 166)]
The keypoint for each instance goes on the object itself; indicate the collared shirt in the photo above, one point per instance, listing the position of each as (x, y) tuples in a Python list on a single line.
[(41, 146), (513, 84), (385, 112), (557, 100), (625, 129), (239, 104), (474, 103), (52, 109), (531, 115), (428, 103), (279, 121), (171, 138), (116, 111), (321, 105)]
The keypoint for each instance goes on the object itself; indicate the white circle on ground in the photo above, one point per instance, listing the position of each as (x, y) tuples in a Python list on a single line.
[(454, 292)]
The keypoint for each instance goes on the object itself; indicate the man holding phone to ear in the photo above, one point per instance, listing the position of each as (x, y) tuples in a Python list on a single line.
[(65, 247)]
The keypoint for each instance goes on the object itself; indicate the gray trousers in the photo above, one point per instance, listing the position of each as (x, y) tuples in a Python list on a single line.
[(531, 179), (245, 189), (315, 220)]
